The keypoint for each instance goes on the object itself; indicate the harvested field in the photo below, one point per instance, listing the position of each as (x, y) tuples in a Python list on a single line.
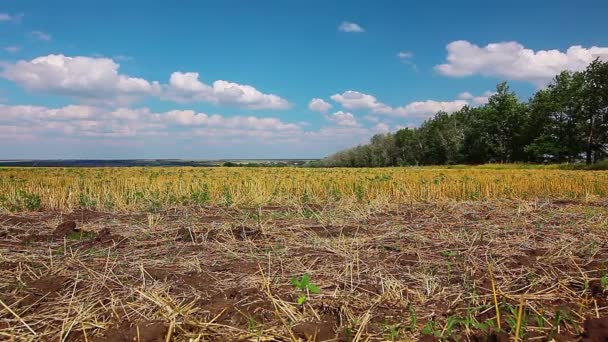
[(419, 271), (153, 189)]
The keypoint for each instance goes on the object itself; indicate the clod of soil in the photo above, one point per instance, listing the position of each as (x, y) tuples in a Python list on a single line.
[(105, 235), (596, 288), (146, 331), (47, 285), (596, 330), (315, 331), (65, 228)]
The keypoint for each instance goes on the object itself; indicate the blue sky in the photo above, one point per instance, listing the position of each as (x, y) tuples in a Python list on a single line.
[(237, 79)]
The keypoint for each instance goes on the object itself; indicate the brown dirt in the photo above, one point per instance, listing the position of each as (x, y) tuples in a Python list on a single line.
[(335, 231), (16, 220), (146, 331), (228, 276), (65, 228), (237, 233), (315, 331), (596, 330)]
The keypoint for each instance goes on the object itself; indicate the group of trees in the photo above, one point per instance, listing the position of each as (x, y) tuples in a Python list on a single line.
[(564, 122)]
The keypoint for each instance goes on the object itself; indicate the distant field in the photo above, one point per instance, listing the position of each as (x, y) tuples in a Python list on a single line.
[(148, 162), (150, 189)]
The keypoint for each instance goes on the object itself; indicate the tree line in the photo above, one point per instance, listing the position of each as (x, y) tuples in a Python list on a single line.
[(566, 122)]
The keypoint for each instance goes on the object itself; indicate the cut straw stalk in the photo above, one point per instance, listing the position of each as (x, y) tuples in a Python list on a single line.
[(495, 296), (18, 317), (520, 313)]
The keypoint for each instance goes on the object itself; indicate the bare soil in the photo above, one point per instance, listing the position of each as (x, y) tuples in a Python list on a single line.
[(410, 272)]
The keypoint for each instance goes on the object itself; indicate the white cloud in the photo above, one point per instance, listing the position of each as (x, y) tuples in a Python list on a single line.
[(476, 100), (382, 127), (512, 60), (407, 58), (80, 127), (343, 119), (40, 35), (90, 121), (424, 109), (346, 135), (11, 49), (483, 99), (405, 55), (319, 105), (5, 17), (347, 26), (96, 80), (191, 118), (186, 87), (355, 100), (465, 95), (92, 80)]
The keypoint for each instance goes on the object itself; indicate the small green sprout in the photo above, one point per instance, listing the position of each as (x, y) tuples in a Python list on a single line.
[(304, 285), (604, 281), (391, 331), (430, 328), (413, 319)]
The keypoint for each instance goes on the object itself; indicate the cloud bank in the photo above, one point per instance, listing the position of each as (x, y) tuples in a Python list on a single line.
[(512, 61)]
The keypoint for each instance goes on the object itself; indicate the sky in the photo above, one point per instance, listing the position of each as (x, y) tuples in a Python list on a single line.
[(266, 79)]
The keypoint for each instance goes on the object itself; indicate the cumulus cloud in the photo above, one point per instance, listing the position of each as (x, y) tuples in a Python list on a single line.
[(91, 121), (512, 60), (58, 129), (476, 100), (382, 127), (93, 80), (424, 109), (343, 119), (355, 100), (319, 105), (483, 99), (186, 87), (40, 35), (345, 136), (465, 95), (191, 118), (97, 80), (347, 26)]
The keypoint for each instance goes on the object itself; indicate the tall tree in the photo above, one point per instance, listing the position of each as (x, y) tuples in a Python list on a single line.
[(595, 112), (441, 140), (554, 111), (508, 118), (408, 146)]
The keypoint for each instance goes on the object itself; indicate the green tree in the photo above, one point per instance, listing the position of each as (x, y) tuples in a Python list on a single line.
[(441, 139), (506, 119), (409, 146), (594, 121), (552, 128)]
